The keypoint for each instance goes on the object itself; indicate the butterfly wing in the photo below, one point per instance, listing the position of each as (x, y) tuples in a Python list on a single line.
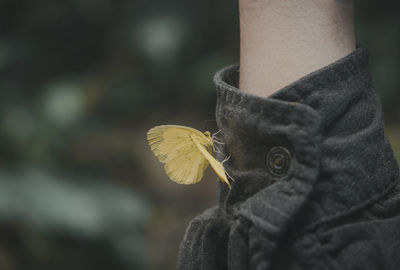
[(215, 164), (173, 146)]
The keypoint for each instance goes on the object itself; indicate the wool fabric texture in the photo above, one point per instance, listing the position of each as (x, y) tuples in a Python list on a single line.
[(316, 184)]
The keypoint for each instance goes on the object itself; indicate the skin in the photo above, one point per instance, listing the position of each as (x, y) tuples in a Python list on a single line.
[(283, 40)]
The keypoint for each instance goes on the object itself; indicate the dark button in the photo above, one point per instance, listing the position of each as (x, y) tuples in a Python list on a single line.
[(278, 160)]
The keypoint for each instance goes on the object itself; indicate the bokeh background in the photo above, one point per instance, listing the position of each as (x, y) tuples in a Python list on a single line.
[(81, 82)]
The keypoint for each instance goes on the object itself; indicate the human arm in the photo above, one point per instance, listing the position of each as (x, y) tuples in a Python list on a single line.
[(283, 40)]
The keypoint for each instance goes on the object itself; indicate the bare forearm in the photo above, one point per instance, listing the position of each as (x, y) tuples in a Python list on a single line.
[(283, 40)]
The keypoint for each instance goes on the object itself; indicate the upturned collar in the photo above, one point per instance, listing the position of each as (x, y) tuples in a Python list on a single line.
[(317, 142)]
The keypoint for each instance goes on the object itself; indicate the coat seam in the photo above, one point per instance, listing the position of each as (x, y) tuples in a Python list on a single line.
[(326, 219)]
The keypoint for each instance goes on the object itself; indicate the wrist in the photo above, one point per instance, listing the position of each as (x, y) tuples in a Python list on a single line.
[(281, 41)]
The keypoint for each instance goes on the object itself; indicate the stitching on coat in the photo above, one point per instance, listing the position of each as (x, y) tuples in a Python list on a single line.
[(350, 210)]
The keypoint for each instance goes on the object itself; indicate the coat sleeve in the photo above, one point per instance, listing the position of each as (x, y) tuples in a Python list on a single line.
[(305, 161)]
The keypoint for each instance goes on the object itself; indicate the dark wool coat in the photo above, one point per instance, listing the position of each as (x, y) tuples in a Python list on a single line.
[(316, 182)]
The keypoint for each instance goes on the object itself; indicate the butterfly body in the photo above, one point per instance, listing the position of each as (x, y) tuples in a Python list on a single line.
[(185, 152)]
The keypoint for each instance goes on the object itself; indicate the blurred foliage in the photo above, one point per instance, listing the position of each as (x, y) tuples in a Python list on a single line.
[(377, 27), (81, 83)]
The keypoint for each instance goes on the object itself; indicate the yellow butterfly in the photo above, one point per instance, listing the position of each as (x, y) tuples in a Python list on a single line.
[(186, 153)]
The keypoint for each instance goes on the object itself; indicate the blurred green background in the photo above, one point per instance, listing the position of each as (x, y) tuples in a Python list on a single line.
[(81, 83)]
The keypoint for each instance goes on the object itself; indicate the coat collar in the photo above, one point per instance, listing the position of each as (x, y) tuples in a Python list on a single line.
[(331, 123)]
